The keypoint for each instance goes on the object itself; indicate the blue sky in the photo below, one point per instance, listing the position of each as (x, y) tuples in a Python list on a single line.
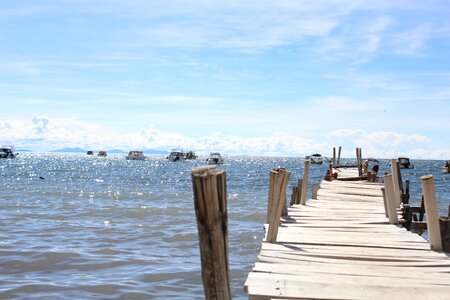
[(239, 77)]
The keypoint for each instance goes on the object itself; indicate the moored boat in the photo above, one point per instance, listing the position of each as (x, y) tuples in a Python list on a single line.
[(90, 152), (446, 168), (190, 155), (316, 159), (176, 155), (8, 152), (135, 155), (404, 163), (102, 153), (215, 158)]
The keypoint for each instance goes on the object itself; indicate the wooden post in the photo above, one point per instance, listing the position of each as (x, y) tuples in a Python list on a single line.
[(359, 160), (339, 157), (429, 196), (334, 156), (305, 182), (383, 191), (444, 224), (270, 204), (315, 189), (210, 199), (397, 192), (299, 191), (279, 196), (390, 199)]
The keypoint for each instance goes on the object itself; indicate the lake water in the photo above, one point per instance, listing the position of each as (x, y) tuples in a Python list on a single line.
[(80, 227)]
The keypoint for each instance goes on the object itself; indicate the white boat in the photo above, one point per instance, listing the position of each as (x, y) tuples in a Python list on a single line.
[(316, 159), (176, 155), (8, 152), (102, 153), (215, 158), (190, 155), (135, 155), (446, 168), (404, 163)]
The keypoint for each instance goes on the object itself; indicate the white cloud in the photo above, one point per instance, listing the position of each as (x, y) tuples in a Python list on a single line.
[(45, 134)]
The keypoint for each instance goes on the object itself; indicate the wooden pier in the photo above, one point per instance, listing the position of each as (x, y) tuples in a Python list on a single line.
[(342, 246)]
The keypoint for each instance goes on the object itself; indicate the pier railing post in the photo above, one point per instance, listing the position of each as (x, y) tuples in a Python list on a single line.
[(395, 176), (390, 199), (315, 189), (305, 182), (210, 199), (339, 157), (280, 182), (429, 196)]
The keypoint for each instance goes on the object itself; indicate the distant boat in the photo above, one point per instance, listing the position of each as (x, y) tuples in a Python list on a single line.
[(446, 168), (102, 153), (176, 155), (404, 163), (190, 155), (215, 158), (135, 155), (316, 159), (8, 152), (90, 152)]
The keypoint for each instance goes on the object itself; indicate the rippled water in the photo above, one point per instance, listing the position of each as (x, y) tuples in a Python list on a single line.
[(75, 226)]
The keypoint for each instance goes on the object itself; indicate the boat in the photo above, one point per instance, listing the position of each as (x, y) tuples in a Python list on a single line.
[(316, 159), (176, 155), (404, 163), (8, 152), (215, 158), (190, 155), (90, 152), (135, 155), (370, 165), (102, 153), (446, 168)]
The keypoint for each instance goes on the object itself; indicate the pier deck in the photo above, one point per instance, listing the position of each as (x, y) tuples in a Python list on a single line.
[(341, 246)]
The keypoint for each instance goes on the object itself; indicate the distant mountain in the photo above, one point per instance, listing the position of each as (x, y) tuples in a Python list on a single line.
[(113, 151), (72, 150), (153, 151)]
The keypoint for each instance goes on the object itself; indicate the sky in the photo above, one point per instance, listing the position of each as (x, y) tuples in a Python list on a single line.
[(270, 78)]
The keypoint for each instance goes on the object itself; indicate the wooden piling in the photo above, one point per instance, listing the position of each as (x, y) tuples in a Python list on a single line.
[(281, 179), (395, 176), (390, 199), (210, 199), (334, 156), (305, 182), (339, 157), (315, 189), (444, 225), (429, 197)]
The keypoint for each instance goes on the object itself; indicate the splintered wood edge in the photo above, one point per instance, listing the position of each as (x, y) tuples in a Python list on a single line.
[(205, 171)]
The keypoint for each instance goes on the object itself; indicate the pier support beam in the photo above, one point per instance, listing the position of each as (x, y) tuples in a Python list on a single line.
[(210, 199), (429, 196)]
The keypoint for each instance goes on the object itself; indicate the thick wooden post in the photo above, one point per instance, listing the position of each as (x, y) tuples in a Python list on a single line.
[(339, 157), (281, 181), (299, 191), (398, 194), (210, 199), (359, 160), (315, 189), (444, 224), (429, 196), (334, 156), (383, 191), (305, 182), (390, 199), (270, 204)]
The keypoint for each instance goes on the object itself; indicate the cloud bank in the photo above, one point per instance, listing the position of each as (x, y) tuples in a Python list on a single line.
[(43, 134)]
